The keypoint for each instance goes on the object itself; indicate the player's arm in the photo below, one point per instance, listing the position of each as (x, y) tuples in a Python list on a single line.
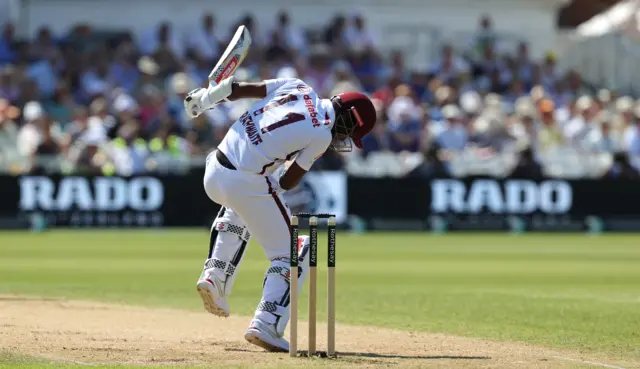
[(202, 99), (260, 90), (247, 90), (291, 176), (303, 162)]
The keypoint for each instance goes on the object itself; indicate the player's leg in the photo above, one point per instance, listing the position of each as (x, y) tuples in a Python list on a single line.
[(268, 219), (227, 241), (273, 312), (227, 245)]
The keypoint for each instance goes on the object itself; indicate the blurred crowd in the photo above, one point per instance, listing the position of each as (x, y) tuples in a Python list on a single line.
[(104, 102)]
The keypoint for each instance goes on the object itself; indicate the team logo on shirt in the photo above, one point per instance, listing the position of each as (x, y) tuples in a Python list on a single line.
[(308, 102), (304, 89)]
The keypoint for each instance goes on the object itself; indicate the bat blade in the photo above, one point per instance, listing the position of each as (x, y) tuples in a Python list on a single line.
[(233, 55)]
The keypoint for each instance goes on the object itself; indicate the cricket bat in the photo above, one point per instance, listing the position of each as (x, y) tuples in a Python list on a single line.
[(232, 57)]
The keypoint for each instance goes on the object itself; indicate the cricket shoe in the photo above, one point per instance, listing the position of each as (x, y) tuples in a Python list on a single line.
[(211, 291), (265, 335)]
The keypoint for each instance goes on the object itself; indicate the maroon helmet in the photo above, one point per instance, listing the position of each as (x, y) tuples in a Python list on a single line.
[(355, 118)]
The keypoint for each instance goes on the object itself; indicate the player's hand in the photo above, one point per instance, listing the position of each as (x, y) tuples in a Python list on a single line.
[(202, 99), (193, 102)]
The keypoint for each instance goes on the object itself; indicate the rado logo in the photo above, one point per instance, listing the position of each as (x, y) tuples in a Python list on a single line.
[(511, 196)]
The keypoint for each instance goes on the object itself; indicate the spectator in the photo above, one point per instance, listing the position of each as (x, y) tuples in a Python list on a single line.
[(365, 68), (128, 152), (162, 38), (28, 92), (152, 110), (471, 103), (444, 95), (485, 36), (527, 166), (377, 140), (89, 160), (278, 53), (318, 73), (601, 138), (335, 35), (8, 85), (198, 71), (8, 132), (632, 136), (61, 105), (454, 135), (490, 68), (249, 21), (100, 122), (404, 123), (126, 109), (385, 93), (47, 148), (8, 45), (515, 91), (123, 72), (578, 127), (149, 70), (95, 81), (525, 129), (82, 39), (624, 108), (524, 67), (550, 135), (574, 82), (419, 81), (603, 98), (396, 69), (432, 166), (179, 85), (343, 79), (202, 136), (488, 136), (622, 168), (449, 67), (44, 45), (548, 73), (45, 72), (205, 41), (357, 35), (29, 136), (80, 124), (290, 36)]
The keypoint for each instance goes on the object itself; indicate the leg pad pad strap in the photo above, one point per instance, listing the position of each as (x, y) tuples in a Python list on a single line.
[(240, 231), (225, 266), (273, 308)]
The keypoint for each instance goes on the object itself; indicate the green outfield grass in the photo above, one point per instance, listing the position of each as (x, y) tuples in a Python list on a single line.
[(563, 291)]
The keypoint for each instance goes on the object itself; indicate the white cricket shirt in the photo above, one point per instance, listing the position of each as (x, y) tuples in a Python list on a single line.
[(290, 122)]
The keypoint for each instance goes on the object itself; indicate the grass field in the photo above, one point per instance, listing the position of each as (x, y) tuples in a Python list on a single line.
[(574, 293)]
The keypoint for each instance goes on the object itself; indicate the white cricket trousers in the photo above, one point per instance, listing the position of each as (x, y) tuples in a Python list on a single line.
[(250, 196)]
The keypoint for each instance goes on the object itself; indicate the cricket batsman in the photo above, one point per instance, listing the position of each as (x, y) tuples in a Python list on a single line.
[(289, 124)]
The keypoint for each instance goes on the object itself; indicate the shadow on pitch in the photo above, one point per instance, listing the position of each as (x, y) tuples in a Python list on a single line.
[(323, 354), (424, 357)]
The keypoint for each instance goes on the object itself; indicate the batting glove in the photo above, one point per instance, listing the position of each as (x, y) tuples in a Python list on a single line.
[(201, 99), (193, 102)]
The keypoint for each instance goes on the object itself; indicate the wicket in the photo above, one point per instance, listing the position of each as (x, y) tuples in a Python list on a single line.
[(331, 286)]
